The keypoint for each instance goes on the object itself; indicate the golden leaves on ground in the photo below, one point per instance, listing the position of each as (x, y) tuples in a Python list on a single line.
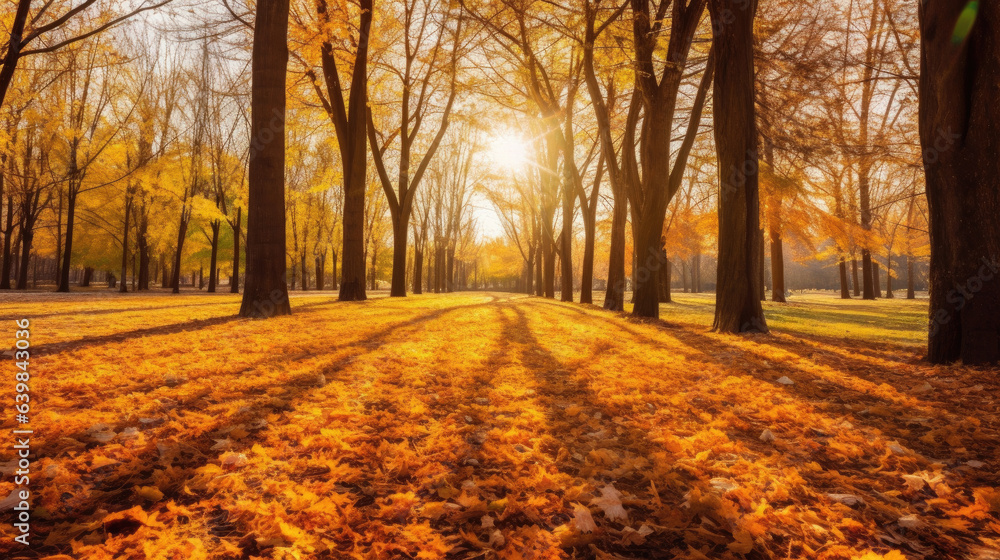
[(479, 426)]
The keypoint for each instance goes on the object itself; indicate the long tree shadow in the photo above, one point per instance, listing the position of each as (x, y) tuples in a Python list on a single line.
[(113, 485), (878, 416), (585, 439)]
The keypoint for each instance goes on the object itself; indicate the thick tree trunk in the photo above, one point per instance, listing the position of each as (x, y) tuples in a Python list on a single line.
[(664, 278), (355, 159), (738, 307), (400, 240), (266, 291), (646, 296), (234, 283), (960, 70), (867, 276), (845, 288), (418, 272), (777, 266), (320, 272)]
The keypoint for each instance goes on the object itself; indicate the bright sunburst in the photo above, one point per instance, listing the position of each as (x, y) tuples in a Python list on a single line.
[(508, 152)]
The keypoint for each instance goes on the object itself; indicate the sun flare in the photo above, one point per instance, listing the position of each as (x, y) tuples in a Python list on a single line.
[(509, 152)]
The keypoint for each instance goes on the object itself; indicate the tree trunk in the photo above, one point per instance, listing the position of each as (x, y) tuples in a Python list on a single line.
[(960, 69), (320, 272), (910, 292), (539, 283), (213, 266), (845, 288), (876, 281), (762, 266), (959, 109), (143, 263), (27, 236), (857, 285), (88, 276), (355, 159), (738, 307), (418, 272), (566, 251), (7, 255), (777, 266), (266, 292), (888, 278), (305, 271), (68, 247), (614, 297), (175, 279), (867, 276), (400, 240), (234, 283), (128, 209), (664, 278)]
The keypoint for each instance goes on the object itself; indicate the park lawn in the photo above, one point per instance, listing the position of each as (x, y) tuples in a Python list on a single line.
[(497, 426)]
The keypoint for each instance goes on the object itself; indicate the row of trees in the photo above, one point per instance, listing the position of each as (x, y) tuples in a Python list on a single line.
[(653, 131)]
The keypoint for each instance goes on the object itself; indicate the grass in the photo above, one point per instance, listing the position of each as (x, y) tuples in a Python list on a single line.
[(496, 426), (896, 321)]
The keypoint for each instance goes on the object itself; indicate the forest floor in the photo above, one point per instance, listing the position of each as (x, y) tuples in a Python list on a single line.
[(496, 426)]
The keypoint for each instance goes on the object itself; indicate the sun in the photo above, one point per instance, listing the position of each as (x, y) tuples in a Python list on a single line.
[(509, 152)]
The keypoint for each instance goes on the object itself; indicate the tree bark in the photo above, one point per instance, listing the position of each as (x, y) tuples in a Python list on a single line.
[(266, 291), (910, 292), (213, 267), (68, 246), (738, 307), (777, 266), (234, 283), (845, 288), (876, 281), (7, 255), (418, 272), (128, 209), (960, 67), (857, 285), (614, 297)]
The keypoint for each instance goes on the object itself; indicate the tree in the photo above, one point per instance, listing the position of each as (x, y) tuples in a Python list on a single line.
[(24, 31), (419, 71), (960, 67), (266, 292), (350, 119), (738, 308)]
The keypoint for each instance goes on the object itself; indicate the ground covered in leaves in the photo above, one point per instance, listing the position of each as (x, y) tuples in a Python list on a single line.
[(491, 426)]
